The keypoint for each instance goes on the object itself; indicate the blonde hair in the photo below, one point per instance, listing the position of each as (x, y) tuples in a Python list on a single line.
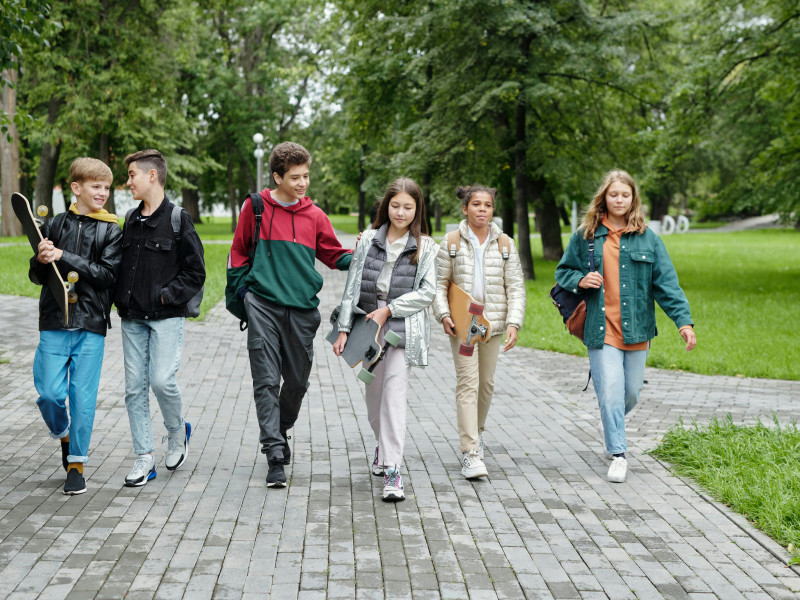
[(89, 169), (598, 209)]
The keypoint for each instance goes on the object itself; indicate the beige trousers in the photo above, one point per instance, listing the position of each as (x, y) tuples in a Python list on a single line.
[(474, 388)]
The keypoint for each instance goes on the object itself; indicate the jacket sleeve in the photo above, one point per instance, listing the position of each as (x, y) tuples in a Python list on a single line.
[(329, 250), (102, 273), (666, 289), (422, 297), (192, 275), (243, 237), (349, 301), (515, 289), (570, 269), (444, 273)]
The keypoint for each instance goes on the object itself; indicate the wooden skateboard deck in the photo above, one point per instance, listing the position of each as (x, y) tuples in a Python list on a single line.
[(55, 282), (467, 316), (362, 346)]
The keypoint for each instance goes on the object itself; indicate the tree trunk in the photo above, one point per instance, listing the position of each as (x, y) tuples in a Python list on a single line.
[(191, 202), (521, 204), (659, 206), (437, 214), (48, 162), (361, 194), (506, 195), (426, 196), (232, 198), (548, 219), (104, 154), (9, 156)]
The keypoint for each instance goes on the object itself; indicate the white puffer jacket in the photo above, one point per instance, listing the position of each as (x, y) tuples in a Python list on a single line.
[(504, 284)]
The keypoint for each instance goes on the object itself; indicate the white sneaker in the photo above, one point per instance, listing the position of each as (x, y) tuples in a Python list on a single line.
[(472, 466), (144, 469), (178, 447), (618, 470), (606, 453), (480, 445), (393, 486)]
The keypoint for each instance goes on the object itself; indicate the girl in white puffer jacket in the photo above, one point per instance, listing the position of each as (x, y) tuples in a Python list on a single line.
[(480, 269)]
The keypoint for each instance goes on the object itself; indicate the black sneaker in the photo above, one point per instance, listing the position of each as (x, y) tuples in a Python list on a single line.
[(65, 454), (276, 477), (75, 483), (287, 451)]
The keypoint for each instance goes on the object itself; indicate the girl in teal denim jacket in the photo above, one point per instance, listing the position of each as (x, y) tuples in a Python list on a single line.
[(633, 271)]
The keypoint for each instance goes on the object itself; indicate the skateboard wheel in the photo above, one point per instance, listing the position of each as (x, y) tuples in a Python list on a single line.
[(392, 338), (465, 350), (475, 308), (42, 210), (72, 277), (73, 297), (366, 376)]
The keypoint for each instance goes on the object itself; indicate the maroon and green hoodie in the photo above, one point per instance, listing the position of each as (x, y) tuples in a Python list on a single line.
[(291, 237)]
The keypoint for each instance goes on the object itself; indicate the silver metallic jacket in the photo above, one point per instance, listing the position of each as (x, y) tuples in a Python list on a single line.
[(412, 306), (504, 284)]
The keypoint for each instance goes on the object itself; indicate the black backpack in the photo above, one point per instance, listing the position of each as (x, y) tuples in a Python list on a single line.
[(235, 291)]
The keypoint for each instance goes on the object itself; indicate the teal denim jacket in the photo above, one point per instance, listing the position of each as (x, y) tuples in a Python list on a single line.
[(646, 275)]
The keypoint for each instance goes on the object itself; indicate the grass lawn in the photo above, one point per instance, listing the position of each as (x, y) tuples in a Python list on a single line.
[(753, 469), (744, 288)]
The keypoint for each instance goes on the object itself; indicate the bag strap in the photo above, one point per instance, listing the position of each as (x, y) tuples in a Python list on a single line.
[(56, 226), (257, 203), (504, 245), (100, 233), (175, 219), (453, 242), (591, 258)]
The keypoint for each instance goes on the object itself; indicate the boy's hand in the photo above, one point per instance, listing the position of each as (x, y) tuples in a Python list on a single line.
[(380, 316), (688, 335), (47, 252), (511, 338), (338, 345), (449, 326)]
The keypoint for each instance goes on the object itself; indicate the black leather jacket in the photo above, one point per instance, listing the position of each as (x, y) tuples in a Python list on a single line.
[(158, 276), (97, 270)]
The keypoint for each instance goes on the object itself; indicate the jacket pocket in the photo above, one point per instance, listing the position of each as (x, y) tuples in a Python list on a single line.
[(159, 244)]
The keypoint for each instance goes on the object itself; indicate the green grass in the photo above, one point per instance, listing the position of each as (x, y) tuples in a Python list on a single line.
[(753, 469), (744, 290)]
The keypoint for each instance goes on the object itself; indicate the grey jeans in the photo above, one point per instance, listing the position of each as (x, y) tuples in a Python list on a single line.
[(280, 341)]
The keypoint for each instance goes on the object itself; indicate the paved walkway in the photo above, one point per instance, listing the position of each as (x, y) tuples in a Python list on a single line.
[(545, 524)]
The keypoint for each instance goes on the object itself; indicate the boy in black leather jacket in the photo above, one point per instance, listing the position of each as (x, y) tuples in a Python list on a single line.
[(88, 240)]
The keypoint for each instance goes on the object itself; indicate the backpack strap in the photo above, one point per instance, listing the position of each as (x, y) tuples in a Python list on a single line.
[(56, 226), (504, 245), (453, 242), (257, 203), (175, 219), (100, 233)]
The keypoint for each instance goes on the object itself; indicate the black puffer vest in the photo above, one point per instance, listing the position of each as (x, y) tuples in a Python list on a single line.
[(402, 281)]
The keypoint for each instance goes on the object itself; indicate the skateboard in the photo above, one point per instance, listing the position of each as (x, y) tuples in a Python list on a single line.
[(467, 316), (362, 344), (64, 292)]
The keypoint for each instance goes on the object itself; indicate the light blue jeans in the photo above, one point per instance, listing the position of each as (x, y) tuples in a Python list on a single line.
[(618, 376), (67, 365), (152, 351)]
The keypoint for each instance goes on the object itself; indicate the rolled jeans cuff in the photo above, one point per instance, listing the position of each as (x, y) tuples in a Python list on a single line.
[(59, 436), (71, 458)]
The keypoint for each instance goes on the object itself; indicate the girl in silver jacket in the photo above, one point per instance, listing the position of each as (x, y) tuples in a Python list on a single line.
[(480, 269), (392, 279)]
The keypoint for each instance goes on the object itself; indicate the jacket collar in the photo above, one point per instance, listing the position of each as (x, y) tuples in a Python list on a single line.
[(153, 220), (494, 230), (380, 239)]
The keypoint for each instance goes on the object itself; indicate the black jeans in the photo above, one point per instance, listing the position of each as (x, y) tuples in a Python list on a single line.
[(280, 341)]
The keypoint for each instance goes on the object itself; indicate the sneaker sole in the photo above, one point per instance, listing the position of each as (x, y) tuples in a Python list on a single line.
[(150, 476), (474, 474), (377, 472), (276, 484), (616, 479), (185, 451), (394, 498), (74, 492)]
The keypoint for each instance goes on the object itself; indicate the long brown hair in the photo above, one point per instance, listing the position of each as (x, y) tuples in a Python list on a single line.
[(419, 225), (598, 209)]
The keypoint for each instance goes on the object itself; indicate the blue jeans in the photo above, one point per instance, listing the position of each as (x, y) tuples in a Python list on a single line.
[(67, 365), (618, 376), (152, 351)]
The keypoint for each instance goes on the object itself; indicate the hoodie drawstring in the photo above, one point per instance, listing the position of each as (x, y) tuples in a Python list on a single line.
[(269, 235)]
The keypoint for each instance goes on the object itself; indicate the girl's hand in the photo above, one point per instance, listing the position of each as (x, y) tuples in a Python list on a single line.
[(592, 281), (449, 326), (687, 333), (358, 237), (380, 316), (338, 345), (511, 338)]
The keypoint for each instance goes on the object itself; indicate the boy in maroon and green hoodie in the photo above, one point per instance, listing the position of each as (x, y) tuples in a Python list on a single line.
[(280, 296)]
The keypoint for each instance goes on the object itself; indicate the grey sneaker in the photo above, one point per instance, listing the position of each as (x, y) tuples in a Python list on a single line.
[(178, 447), (472, 466), (144, 469)]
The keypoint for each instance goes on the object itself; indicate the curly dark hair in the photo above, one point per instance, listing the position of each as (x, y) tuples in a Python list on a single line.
[(286, 155), (465, 192)]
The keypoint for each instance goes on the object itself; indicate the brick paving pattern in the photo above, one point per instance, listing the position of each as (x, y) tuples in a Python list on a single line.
[(545, 524)]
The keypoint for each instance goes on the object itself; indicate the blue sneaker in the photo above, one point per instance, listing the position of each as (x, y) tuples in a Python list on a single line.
[(178, 447), (144, 469)]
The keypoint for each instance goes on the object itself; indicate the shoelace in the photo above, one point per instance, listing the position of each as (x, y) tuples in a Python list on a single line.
[(142, 464), (173, 444), (393, 477)]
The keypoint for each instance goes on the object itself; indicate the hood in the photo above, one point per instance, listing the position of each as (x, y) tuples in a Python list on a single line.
[(303, 204)]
